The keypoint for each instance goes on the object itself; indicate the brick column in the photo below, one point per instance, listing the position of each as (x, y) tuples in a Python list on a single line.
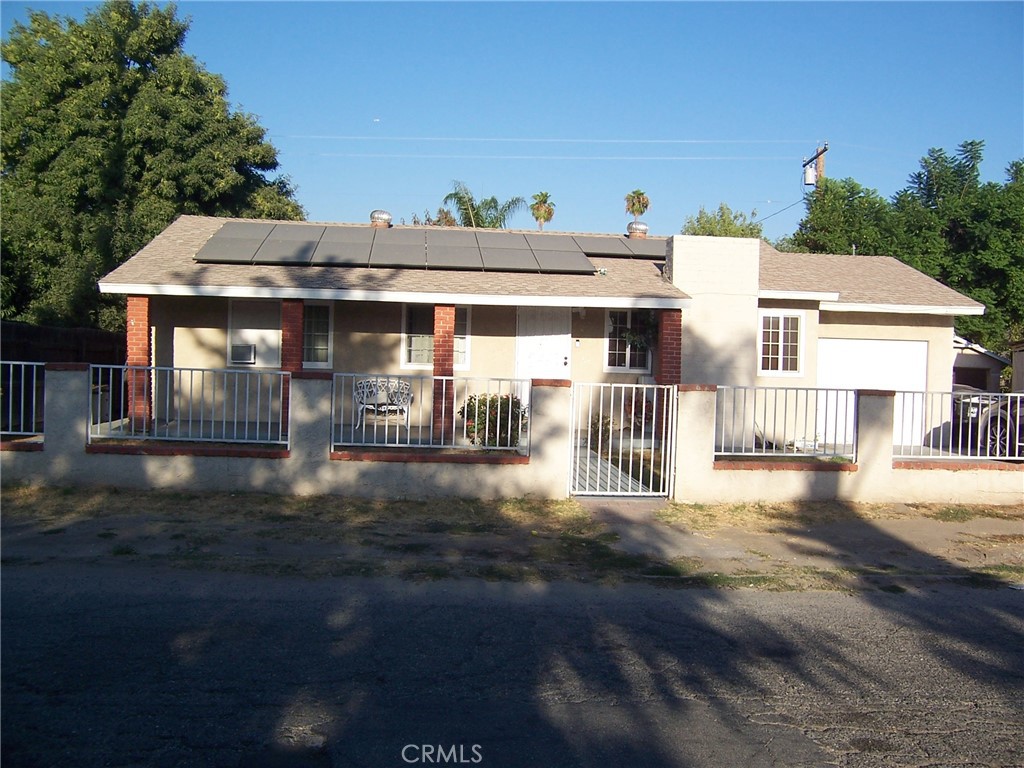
[(670, 347), (139, 354), (670, 356), (444, 365), (292, 331)]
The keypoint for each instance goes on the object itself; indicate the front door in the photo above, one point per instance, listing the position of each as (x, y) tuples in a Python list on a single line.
[(544, 343)]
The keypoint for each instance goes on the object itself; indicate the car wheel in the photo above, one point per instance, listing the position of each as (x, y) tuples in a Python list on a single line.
[(1001, 438)]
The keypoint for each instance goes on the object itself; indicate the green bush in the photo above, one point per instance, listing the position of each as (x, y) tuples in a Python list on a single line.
[(493, 420)]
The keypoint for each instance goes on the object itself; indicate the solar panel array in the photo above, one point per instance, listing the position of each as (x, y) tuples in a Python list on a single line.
[(266, 243)]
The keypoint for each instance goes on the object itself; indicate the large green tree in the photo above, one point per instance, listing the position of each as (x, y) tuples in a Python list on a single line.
[(722, 223), (487, 212), (109, 131), (945, 222)]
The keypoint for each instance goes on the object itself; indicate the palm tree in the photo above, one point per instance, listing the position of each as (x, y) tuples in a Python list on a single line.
[(543, 209), (487, 213), (637, 203)]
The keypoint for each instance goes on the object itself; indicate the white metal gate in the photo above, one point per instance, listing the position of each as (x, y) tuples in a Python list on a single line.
[(623, 440)]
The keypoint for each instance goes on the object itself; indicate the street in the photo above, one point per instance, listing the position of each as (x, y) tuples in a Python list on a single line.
[(112, 664)]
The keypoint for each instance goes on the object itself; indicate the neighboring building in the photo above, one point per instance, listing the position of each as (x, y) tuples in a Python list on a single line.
[(211, 292), (1017, 356), (975, 366)]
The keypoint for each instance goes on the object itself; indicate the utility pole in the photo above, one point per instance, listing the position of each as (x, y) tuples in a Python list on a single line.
[(814, 174)]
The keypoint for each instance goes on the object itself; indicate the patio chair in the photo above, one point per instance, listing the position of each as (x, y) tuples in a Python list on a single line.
[(382, 396)]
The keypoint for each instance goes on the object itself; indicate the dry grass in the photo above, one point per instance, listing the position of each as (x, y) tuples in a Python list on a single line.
[(764, 517)]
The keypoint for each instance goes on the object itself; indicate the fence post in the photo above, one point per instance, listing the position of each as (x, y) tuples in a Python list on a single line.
[(65, 431), (875, 413), (695, 442)]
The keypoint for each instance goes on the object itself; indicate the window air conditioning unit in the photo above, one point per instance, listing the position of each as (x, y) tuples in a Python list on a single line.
[(243, 354)]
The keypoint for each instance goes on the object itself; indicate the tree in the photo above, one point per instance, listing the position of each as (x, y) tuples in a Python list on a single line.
[(844, 217), (542, 208), (946, 223), (637, 203), (487, 213), (109, 131), (722, 223)]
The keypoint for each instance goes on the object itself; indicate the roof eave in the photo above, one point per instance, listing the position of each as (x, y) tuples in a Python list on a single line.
[(407, 297), (904, 309)]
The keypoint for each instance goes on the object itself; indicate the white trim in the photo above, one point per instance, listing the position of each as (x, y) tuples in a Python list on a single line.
[(402, 297), (330, 336), (799, 295), (801, 334), (902, 309)]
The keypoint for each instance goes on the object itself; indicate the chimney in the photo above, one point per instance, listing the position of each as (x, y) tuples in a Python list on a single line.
[(636, 230), (380, 219)]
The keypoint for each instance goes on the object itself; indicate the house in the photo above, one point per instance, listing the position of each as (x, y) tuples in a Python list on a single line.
[(215, 293), (975, 366)]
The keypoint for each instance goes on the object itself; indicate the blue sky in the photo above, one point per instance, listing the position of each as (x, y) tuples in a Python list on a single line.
[(383, 105)]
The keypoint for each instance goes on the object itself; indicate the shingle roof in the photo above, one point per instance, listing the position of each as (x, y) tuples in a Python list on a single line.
[(875, 280), (166, 266)]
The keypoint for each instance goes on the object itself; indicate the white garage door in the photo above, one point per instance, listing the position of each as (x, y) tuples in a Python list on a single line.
[(901, 366)]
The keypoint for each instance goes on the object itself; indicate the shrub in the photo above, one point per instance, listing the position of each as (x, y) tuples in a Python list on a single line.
[(493, 420)]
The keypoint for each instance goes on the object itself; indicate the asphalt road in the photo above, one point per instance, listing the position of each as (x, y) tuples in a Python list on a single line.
[(137, 665)]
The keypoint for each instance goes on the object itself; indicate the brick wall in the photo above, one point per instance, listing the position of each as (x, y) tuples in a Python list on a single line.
[(444, 365), (139, 353), (670, 346)]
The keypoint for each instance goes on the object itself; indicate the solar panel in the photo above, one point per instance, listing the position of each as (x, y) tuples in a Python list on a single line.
[(453, 257), (398, 236), (236, 242), (645, 247), (344, 246), (602, 246), (509, 260), (387, 255), (289, 244), (502, 240), (564, 261), (551, 243), (452, 237)]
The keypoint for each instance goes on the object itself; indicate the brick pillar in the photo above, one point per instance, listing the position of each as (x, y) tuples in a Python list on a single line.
[(444, 365), (292, 331), (670, 347), (670, 356), (139, 354)]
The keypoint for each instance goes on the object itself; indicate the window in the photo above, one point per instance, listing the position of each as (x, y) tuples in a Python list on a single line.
[(418, 336), (254, 333), (628, 340), (317, 351), (780, 343)]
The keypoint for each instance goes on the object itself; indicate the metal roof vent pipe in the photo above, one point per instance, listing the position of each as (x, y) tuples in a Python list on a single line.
[(636, 230), (380, 219)]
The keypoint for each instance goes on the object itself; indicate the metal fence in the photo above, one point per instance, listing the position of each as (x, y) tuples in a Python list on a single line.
[(959, 425), (21, 398), (786, 421), (624, 439), (189, 404), (431, 412)]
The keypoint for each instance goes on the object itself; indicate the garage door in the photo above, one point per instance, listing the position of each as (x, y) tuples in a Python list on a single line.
[(901, 366)]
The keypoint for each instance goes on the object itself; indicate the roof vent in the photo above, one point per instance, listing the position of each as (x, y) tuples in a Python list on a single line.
[(379, 218), (636, 230)]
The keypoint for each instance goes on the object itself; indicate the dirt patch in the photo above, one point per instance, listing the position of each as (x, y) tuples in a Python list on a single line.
[(759, 546)]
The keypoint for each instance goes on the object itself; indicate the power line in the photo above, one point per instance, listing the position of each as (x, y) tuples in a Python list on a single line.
[(496, 139), (781, 210)]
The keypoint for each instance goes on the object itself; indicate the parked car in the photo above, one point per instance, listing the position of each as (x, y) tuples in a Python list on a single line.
[(991, 424)]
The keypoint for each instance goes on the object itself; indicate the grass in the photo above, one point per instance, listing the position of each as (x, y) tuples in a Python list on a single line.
[(518, 540)]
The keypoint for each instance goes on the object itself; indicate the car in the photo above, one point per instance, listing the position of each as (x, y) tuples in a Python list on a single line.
[(989, 423)]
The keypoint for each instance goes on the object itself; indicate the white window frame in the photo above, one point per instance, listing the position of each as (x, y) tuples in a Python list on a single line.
[(330, 335), (630, 315), (264, 334), (801, 332), (463, 366)]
